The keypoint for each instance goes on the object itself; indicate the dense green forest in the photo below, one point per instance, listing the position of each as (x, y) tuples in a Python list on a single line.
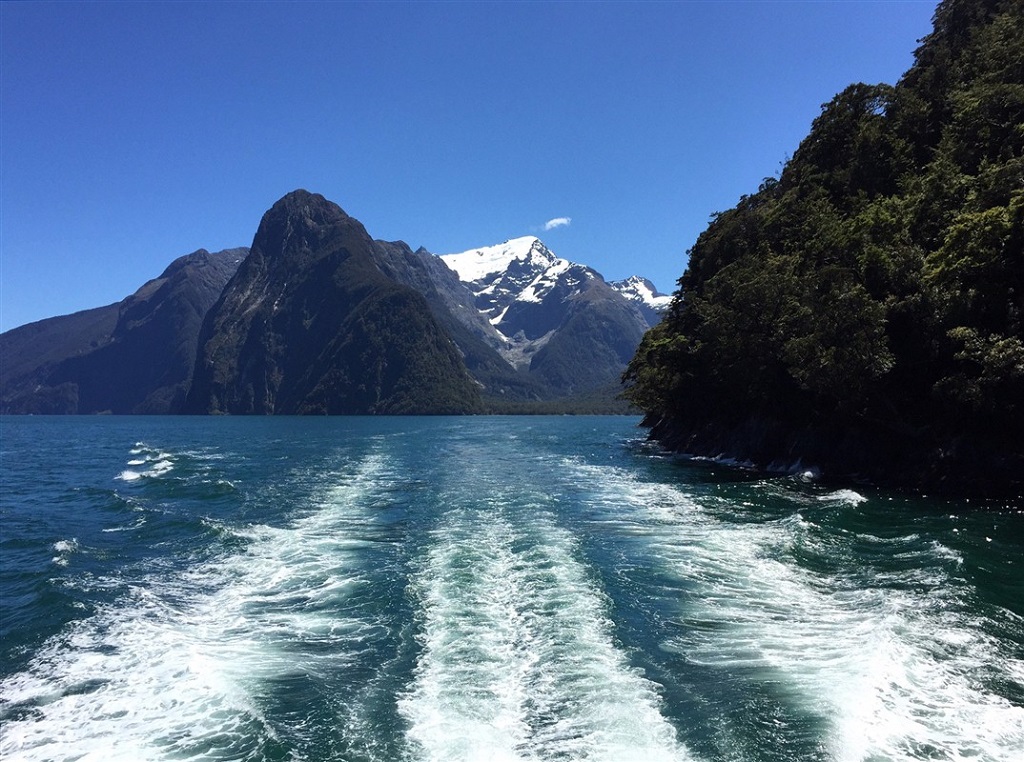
[(863, 310)]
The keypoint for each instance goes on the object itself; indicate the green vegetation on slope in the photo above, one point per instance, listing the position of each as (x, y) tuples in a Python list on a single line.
[(872, 295)]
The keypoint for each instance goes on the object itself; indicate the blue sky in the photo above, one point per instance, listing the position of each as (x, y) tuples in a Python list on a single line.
[(132, 133)]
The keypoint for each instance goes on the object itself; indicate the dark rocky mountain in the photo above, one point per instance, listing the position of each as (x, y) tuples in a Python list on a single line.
[(311, 324), (453, 306), (595, 339), (135, 356)]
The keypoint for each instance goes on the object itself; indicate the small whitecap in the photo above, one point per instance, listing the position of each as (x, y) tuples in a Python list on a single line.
[(126, 527), (128, 476), (946, 552), (810, 474), (66, 546), (160, 468), (63, 548), (845, 496)]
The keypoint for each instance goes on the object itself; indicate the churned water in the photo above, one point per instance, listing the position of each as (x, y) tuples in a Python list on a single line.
[(485, 589)]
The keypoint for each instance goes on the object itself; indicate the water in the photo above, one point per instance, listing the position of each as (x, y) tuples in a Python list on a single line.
[(485, 589)]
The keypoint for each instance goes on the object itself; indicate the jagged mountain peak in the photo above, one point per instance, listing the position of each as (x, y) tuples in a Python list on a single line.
[(299, 221), (520, 271), (311, 323), (302, 202), (639, 289), (475, 265)]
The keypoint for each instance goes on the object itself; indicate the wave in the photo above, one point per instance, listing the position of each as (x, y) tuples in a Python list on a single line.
[(148, 462), (178, 666), (895, 667), (159, 463), (843, 497)]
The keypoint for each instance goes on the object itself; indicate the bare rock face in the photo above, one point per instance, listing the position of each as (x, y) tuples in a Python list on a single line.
[(311, 324)]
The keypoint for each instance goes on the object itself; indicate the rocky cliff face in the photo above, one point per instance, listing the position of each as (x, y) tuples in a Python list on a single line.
[(452, 304), (136, 356), (311, 324)]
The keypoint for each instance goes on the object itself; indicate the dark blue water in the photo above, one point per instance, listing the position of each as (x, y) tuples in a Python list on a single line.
[(485, 589)]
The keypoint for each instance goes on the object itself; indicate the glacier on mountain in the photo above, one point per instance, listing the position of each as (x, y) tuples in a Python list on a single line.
[(476, 264)]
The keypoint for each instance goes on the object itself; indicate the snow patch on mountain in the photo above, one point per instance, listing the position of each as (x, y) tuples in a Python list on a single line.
[(544, 282), (639, 289), (476, 265)]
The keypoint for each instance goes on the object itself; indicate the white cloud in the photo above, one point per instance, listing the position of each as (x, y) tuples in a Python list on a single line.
[(558, 222)]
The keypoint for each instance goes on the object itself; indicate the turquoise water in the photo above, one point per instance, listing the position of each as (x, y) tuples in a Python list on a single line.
[(485, 589)]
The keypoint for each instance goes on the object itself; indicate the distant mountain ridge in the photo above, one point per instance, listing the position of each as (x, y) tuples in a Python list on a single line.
[(134, 356), (317, 317)]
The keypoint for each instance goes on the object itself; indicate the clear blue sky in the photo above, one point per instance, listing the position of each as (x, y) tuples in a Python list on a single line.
[(134, 132)]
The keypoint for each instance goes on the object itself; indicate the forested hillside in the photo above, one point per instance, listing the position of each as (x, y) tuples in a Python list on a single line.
[(862, 311)]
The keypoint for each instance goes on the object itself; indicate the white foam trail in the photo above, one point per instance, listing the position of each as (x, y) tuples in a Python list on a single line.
[(893, 662), (176, 669), (518, 659)]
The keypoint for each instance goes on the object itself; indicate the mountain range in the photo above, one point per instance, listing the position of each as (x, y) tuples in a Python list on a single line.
[(317, 317)]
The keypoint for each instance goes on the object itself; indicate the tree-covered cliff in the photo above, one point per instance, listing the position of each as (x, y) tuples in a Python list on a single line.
[(863, 311)]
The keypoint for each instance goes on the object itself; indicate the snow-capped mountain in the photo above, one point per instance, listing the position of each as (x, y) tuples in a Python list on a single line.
[(638, 289), (525, 270), (557, 319), (479, 265), (516, 284), (642, 292)]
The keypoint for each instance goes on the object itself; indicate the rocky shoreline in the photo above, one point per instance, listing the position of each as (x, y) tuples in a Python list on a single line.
[(907, 461)]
